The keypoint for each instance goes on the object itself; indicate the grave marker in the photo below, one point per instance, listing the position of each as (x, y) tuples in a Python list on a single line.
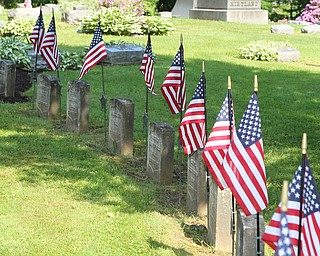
[(121, 126), (48, 96), (160, 152), (7, 78), (197, 184), (78, 98)]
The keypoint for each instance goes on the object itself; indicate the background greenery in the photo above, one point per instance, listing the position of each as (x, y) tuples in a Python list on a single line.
[(65, 193)]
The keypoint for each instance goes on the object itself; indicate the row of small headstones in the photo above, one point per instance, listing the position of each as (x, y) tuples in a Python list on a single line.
[(160, 158), (289, 30)]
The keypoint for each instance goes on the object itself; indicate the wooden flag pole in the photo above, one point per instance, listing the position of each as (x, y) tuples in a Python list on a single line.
[(34, 73), (145, 116), (103, 101), (181, 115), (284, 197), (304, 157), (258, 215), (233, 215)]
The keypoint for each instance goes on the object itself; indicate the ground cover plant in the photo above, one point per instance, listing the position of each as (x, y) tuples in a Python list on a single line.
[(66, 194)]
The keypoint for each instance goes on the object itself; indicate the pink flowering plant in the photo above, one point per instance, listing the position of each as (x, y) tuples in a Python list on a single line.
[(311, 12), (136, 6)]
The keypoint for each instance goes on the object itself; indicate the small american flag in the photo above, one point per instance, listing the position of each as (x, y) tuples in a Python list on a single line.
[(243, 166), (37, 33), (173, 87), (192, 129), (97, 52), (219, 141), (147, 66), (49, 47), (310, 235), (284, 247), (27, 4)]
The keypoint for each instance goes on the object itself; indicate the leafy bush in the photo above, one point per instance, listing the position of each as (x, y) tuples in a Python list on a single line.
[(72, 60), (13, 48), (261, 50), (311, 12), (17, 27), (114, 21)]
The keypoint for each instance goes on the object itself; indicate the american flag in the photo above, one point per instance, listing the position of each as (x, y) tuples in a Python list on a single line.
[(192, 130), (284, 247), (37, 33), (243, 166), (174, 82), (147, 66), (310, 235), (49, 47), (219, 141), (27, 4), (97, 52)]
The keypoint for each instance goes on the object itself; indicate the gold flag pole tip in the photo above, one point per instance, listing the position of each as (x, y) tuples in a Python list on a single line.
[(202, 66), (304, 144), (284, 196), (255, 83), (229, 82)]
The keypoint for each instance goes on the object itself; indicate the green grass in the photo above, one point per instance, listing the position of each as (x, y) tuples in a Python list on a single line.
[(64, 193)]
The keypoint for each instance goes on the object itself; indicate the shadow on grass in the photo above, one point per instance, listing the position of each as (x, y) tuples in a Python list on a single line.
[(156, 245)]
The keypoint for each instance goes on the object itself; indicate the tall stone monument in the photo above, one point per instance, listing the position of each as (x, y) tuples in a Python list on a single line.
[(181, 8), (242, 11)]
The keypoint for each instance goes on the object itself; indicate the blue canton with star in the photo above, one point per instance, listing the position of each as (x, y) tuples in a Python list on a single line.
[(224, 111), (311, 202), (97, 37), (177, 59), (199, 91), (249, 130), (284, 244)]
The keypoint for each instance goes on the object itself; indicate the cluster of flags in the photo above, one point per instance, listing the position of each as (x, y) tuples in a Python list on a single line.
[(235, 159)]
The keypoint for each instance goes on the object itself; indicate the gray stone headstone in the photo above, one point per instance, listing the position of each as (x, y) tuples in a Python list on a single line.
[(75, 17), (181, 8), (160, 152), (288, 54), (29, 13), (220, 217), (197, 197), (165, 14), (121, 124), (41, 64), (299, 22), (128, 54), (282, 29), (54, 7), (79, 7), (246, 244), (48, 96), (312, 29), (78, 99), (7, 78), (242, 11)]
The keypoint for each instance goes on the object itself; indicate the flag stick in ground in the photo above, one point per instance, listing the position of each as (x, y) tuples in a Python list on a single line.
[(36, 38), (103, 101), (303, 171), (233, 209)]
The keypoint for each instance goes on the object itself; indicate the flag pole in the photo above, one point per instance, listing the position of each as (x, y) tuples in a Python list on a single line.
[(103, 101), (258, 215), (180, 95), (233, 215), (145, 116), (304, 156), (34, 72), (284, 196)]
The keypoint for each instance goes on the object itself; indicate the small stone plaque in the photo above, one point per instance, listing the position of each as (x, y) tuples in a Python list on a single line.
[(160, 152), (78, 99), (282, 29)]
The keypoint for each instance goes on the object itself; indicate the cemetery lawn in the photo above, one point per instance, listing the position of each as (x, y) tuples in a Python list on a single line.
[(67, 194)]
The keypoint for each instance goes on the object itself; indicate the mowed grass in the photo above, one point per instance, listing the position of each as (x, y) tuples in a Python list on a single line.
[(66, 194)]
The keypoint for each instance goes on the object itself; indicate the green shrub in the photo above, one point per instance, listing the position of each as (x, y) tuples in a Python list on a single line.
[(261, 50), (17, 27), (116, 22), (13, 48), (72, 60)]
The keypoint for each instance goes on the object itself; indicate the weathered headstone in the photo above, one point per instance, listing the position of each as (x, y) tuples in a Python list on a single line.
[(246, 244), (288, 54), (181, 8), (242, 11), (48, 95), (41, 64), (30, 13), (121, 126), (219, 217), (282, 29), (197, 184), (78, 99), (160, 152), (127, 54), (75, 17), (7, 78), (312, 29)]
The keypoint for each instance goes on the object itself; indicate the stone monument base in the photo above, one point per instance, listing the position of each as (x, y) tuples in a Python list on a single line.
[(240, 16)]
